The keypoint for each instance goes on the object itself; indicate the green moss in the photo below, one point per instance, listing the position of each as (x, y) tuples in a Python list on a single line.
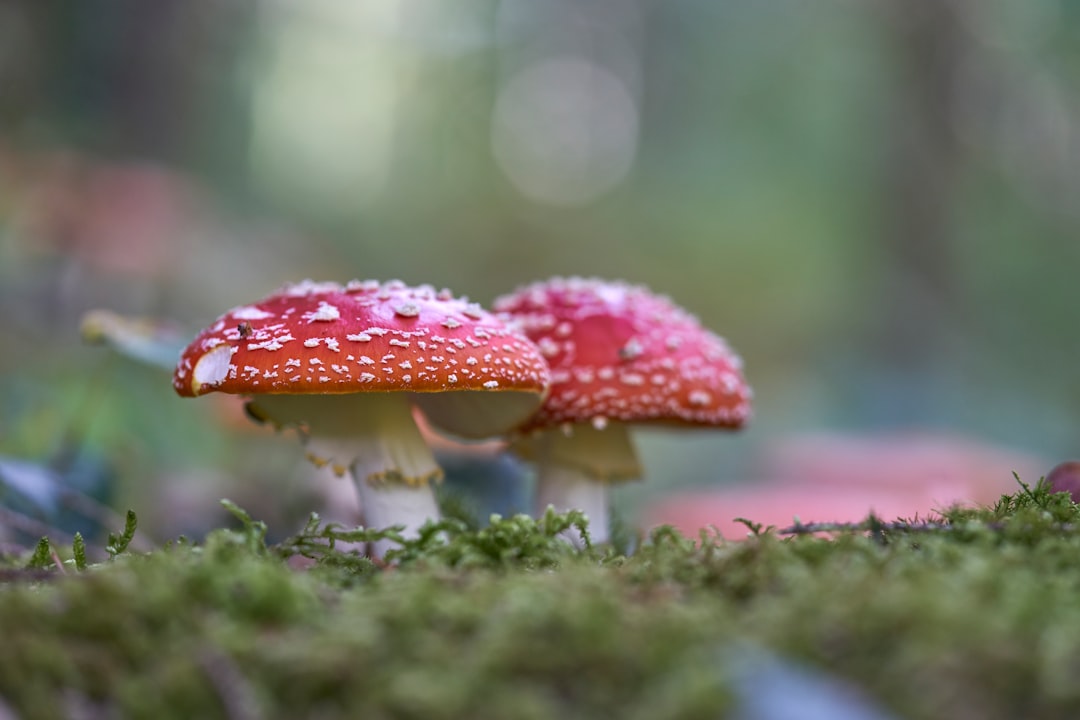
[(976, 614)]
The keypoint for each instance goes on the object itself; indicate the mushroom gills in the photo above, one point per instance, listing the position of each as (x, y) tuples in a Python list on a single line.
[(600, 454), (478, 414), (373, 435)]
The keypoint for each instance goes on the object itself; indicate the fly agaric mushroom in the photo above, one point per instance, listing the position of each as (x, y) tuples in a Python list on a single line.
[(619, 356), (341, 364), (1065, 477)]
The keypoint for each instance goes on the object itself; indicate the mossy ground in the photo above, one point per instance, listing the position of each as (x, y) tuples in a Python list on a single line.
[(976, 617)]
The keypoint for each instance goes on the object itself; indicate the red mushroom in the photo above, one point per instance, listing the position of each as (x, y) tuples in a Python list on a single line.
[(619, 356), (1065, 477), (342, 363)]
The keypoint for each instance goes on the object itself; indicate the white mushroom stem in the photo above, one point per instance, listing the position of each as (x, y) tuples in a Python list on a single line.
[(575, 468), (396, 504), (564, 488), (374, 438)]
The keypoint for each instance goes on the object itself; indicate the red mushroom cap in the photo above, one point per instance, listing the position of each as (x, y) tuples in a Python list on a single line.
[(1065, 477), (324, 338), (619, 352)]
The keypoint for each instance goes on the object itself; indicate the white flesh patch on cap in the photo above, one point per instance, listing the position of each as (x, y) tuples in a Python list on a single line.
[(212, 368)]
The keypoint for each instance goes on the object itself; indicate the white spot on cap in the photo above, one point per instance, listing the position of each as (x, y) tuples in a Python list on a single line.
[(407, 309), (359, 285), (359, 337), (271, 344), (324, 313), (312, 342), (548, 347), (599, 422), (309, 287), (450, 323), (631, 350), (700, 398), (250, 312), (491, 384)]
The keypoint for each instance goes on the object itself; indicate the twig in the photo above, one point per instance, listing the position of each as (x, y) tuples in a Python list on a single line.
[(31, 526), (899, 526), (27, 575), (7, 548), (37, 528), (102, 514)]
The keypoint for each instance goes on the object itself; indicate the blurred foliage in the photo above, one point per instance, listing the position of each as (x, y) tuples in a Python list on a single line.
[(875, 202)]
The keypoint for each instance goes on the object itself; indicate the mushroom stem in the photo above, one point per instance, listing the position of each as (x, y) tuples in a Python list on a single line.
[(375, 438), (574, 470), (393, 469), (563, 488), (388, 504)]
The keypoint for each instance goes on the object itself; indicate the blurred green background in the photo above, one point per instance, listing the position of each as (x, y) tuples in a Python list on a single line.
[(876, 202)]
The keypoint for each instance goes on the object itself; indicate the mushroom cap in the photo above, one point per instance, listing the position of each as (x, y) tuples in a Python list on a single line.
[(620, 352), (325, 338)]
